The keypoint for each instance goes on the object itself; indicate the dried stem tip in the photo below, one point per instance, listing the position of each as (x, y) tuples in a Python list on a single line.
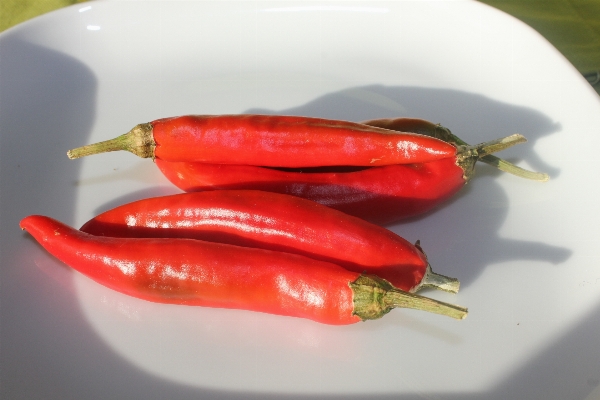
[(139, 141), (434, 280)]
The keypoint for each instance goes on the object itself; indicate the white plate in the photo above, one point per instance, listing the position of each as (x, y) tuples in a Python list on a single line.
[(525, 251)]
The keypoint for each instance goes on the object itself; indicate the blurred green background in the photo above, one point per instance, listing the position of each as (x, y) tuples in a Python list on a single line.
[(13, 12), (572, 26)]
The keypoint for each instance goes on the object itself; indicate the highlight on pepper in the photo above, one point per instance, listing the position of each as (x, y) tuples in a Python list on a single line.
[(279, 222), (383, 170), (200, 273)]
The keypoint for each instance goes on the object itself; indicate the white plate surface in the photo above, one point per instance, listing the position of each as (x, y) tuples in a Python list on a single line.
[(524, 251)]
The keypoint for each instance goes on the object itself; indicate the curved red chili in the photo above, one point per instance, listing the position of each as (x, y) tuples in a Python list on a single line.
[(275, 141), (195, 272), (275, 222), (380, 195)]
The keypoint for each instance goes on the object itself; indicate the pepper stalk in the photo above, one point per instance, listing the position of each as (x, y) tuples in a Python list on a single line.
[(446, 135), (374, 297)]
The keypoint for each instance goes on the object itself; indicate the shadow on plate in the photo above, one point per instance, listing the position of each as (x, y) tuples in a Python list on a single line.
[(49, 347), (475, 119)]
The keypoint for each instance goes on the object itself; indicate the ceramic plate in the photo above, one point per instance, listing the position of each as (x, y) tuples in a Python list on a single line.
[(524, 251)]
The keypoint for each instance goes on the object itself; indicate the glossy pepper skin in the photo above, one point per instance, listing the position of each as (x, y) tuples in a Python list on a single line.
[(195, 272), (274, 222), (427, 128), (380, 195), (273, 141)]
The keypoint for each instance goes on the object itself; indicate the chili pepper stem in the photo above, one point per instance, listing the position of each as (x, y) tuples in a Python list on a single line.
[(503, 165), (437, 281), (467, 156), (494, 146), (374, 297), (138, 141), (434, 280), (397, 299)]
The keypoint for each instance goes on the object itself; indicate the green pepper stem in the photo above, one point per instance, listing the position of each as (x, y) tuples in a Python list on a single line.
[(467, 156), (374, 297), (505, 166), (494, 146), (399, 299), (139, 141)]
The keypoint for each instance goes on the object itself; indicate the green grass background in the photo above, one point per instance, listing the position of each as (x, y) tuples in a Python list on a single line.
[(572, 26)]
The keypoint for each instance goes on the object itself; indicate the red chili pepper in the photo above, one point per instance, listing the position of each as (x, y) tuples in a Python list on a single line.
[(195, 272), (275, 141), (427, 128), (276, 222), (380, 195)]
